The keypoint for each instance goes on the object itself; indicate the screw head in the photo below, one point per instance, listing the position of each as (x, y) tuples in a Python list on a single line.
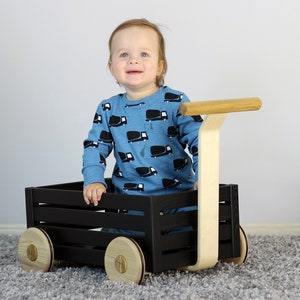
[(121, 264), (32, 252)]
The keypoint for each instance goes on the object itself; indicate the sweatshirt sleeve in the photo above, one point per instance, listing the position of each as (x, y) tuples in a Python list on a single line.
[(188, 131), (97, 147)]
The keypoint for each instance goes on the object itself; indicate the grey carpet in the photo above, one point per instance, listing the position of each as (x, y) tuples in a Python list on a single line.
[(272, 271)]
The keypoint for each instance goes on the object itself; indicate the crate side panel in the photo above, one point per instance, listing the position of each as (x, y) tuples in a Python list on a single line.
[(29, 207), (235, 220), (69, 198), (178, 220), (176, 200), (176, 260), (84, 255), (224, 211), (58, 197), (225, 232), (225, 250), (75, 236), (178, 240), (91, 219)]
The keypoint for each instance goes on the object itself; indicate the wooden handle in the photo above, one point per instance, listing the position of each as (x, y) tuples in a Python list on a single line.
[(219, 106)]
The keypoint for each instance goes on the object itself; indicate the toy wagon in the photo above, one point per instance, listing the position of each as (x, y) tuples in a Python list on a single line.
[(61, 226)]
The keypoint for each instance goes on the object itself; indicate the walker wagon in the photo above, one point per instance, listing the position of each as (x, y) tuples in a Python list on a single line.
[(62, 227)]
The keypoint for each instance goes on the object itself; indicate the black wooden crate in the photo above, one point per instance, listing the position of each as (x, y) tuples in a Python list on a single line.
[(74, 227)]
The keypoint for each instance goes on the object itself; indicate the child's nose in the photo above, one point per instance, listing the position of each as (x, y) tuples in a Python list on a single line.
[(133, 60)]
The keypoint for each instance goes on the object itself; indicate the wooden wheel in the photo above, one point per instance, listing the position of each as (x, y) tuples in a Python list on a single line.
[(244, 248), (124, 261), (35, 250)]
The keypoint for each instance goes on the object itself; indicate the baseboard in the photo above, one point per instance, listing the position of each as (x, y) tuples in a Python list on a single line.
[(250, 228), (12, 228), (272, 228)]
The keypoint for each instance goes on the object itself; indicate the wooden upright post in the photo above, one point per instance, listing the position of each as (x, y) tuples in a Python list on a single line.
[(208, 171)]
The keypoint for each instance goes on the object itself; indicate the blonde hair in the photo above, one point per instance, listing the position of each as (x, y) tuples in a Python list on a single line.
[(161, 43)]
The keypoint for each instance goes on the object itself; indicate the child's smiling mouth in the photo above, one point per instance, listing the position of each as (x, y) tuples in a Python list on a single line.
[(134, 72)]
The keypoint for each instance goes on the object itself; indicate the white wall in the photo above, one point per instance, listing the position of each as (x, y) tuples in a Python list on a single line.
[(53, 72)]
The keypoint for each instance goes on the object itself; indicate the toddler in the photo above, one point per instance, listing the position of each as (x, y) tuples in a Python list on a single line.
[(143, 126)]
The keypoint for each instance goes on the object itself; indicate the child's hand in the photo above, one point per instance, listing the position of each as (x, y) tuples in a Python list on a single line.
[(93, 192), (196, 185)]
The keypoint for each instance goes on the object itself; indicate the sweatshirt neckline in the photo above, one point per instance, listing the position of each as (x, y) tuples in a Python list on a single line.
[(124, 96)]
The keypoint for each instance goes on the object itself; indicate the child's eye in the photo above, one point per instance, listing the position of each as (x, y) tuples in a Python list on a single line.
[(144, 54), (124, 54)]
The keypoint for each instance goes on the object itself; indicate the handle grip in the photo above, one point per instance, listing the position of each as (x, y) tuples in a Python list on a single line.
[(220, 106)]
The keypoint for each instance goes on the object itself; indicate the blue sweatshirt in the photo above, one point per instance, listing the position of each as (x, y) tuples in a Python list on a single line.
[(149, 138)]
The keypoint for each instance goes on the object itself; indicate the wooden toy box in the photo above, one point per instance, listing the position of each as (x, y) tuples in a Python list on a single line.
[(74, 228)]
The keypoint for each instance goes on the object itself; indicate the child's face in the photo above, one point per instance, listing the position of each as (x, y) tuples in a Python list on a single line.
[(135, 59)]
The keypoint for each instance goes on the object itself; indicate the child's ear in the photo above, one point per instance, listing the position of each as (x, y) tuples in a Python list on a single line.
[(110, 65), (161, 67)]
